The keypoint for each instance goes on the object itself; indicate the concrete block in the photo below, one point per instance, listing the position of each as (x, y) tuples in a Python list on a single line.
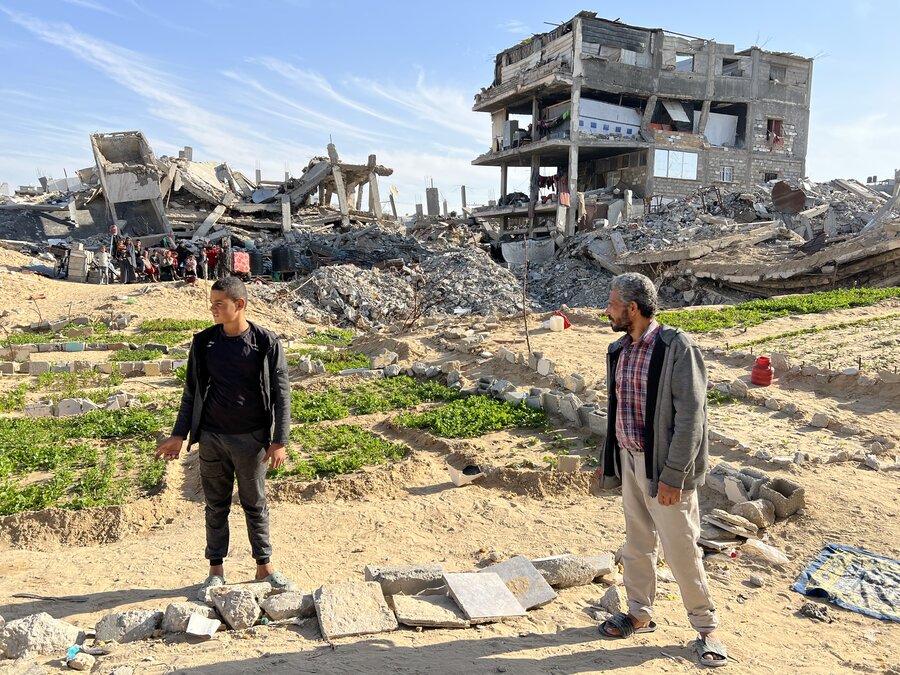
[(598, 423), (545, 367), (289, 605), (38, 410), (584, 412), (500, 387), (150, 368), (449, 366), (432, 611), (786, 496), (68, 407), (47, 347), (177, 614), (353, 608), (482, 596), (19, 354), (514, 397), (535, 402), (59, 368), (128, 626), (568, 463), (82, 366), (407, 580), (165, 366), (105, 368), (523, 580), (575, 383), (154, 346), (38, 367), (534, 358), (8, 367), (567, 570), (568, 408), (735, 490), (550, 402), (74, 347)]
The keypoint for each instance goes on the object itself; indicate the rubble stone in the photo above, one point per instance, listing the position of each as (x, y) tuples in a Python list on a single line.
[(237, 606), (407, 580), (37, 634), (820, 420), (81, 661), (760, 512), (565, 571), (383, 358), (613, 601), (288, 605), (738, 388), (128, 626), (352, 608), (177, 614)]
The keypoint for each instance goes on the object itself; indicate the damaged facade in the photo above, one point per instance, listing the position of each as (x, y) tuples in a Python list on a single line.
[(660, 114)]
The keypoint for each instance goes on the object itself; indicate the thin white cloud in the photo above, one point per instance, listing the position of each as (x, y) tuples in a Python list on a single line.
[(514, 26), (314, 82), (174, 25), (93, 6), (434, 105)]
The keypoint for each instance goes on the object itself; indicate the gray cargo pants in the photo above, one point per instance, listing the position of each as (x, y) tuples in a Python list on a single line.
[(222, 457)]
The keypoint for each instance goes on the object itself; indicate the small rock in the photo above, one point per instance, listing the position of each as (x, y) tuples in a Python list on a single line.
[(128, 626), (81, 661), (383, 359), (613, 600), (760, 512), (289, 605), (820, 420), (756, 580), (790, 409), (177, 615), (37, 634), (738, 388), (773, 404)]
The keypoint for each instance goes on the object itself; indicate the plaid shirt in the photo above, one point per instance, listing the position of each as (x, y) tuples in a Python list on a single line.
[(631, 388)]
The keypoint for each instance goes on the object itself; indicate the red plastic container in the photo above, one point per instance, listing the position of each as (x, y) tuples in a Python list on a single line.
[(762, 372)]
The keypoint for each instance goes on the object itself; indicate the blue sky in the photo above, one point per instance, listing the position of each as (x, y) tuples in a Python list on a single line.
[(268, 82)]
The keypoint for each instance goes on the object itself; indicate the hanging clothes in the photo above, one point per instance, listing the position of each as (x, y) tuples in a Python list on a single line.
[(564, 197)]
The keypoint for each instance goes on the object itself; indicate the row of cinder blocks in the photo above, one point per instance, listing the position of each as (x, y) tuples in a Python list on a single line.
[(22, 352), (69, 407), (36, 368)]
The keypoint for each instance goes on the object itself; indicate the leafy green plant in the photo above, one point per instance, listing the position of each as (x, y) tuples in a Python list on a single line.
[(474, 416), (756, 311), (331, 451), (815, 329), (716, 397), (331, 336), (14, 399), (136, 355), (161, 325), (181, 374)]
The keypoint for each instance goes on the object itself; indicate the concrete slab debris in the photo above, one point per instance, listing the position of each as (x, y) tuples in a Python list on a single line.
[(524, 581), (431, 611), (352, 608), (483, 597)]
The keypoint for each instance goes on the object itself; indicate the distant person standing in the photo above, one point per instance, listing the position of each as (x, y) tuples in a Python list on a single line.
[(102, 260), (223, 261), (236, 404), (202, 263)]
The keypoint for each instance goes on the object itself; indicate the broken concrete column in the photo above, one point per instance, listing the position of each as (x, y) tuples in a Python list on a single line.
[(407, 580)]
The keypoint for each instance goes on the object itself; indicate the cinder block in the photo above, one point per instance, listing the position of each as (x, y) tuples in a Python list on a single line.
[(38, 367), (47, 347), (598, 423), (407, 580), (68, 407), (787, 496), (584, 413), (150, 368), (550, 402), (38, 410), (515, 397), (545, 367), (568, 408), (7, 367), (74, 347), (568, 463), (105, 368)]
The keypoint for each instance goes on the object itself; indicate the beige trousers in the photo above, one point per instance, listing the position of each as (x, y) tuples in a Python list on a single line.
[(647, 523)]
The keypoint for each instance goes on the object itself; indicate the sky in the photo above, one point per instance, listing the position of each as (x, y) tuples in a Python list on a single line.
[(268, 83)]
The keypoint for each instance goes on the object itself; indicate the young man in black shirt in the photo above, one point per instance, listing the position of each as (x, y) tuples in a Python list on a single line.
[(236, 404)]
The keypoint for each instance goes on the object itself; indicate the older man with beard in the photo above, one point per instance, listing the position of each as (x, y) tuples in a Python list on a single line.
[(657, 448)]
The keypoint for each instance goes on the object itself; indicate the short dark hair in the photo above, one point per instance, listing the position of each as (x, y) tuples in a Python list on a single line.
[(233, 287)]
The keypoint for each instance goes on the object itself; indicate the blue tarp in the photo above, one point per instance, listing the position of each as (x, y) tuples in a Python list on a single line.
[(854, 579)]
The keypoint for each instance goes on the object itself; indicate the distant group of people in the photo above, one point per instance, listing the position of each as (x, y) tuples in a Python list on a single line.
[(170, 261)]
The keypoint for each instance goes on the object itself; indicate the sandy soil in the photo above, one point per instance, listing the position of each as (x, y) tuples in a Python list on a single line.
[(410, 513)]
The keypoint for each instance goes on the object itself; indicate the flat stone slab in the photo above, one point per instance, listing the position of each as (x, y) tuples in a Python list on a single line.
[(431, 611), (408, 580), (524, 581), (483, 596), (353, 608)]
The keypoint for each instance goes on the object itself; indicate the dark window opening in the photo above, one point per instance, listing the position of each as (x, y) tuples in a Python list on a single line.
[(778, 74), (732, 68), (769, 175)]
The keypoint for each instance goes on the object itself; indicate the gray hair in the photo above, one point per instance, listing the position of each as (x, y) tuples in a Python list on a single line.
[(634, 287)]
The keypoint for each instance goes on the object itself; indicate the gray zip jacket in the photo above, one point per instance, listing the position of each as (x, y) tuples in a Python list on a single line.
[(676, 442)]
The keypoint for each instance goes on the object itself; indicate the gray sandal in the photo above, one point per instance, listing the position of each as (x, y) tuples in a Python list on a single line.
[(212, 581), (622, 622), (707, 645), (279, 582)]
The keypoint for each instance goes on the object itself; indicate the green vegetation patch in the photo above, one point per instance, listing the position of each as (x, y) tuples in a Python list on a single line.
[(366, 398), (716, 397), (331, 336), (136, 355), (335, 360), (755, 312), (14, 399), (319, 452), (474, 416), (169, 325), (816, 329), (98, 459)]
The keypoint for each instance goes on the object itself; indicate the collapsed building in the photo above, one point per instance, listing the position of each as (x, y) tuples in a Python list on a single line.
[(660, 114)]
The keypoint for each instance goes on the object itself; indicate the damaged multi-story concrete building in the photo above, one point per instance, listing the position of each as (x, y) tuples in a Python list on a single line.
[(595, 104)]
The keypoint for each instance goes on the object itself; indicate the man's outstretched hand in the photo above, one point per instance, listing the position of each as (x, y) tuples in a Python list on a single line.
[(275, 456), (170, 448)]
